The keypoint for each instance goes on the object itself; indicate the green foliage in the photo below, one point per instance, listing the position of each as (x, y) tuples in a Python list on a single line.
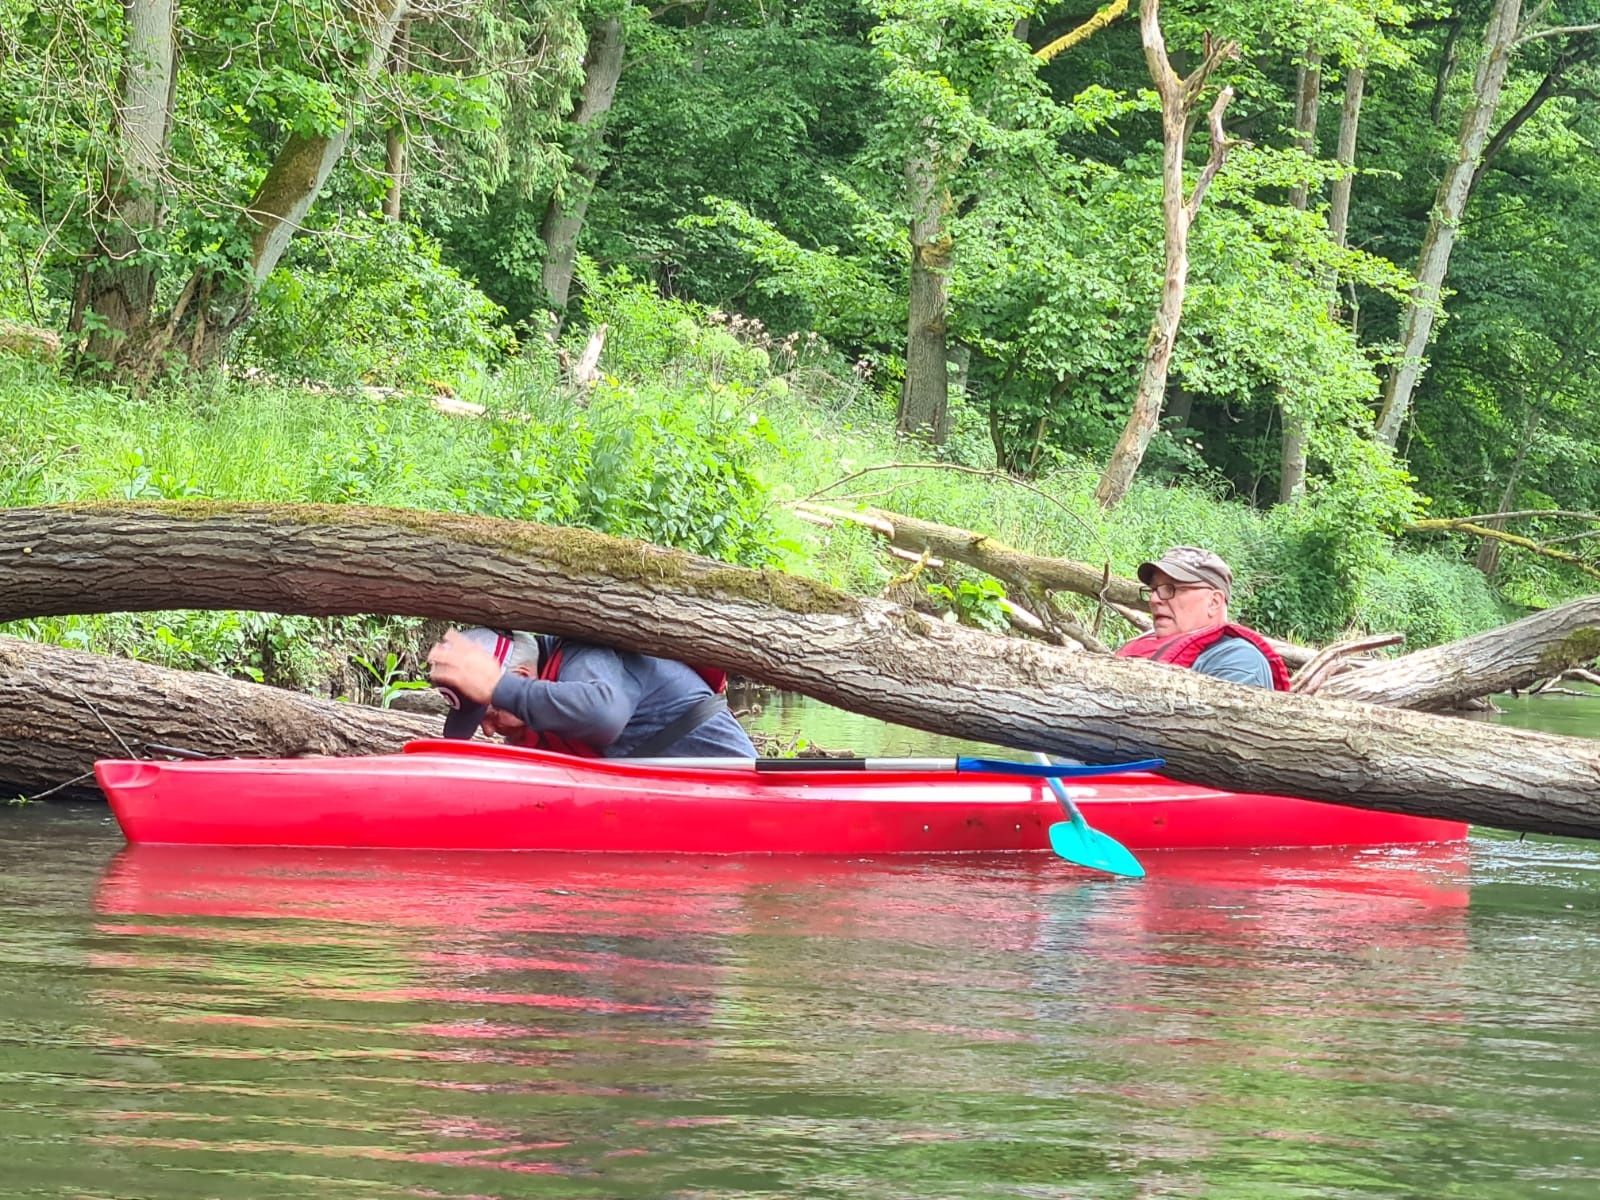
[(980, 602), (1327, 545), (389, 680), (372, 304)]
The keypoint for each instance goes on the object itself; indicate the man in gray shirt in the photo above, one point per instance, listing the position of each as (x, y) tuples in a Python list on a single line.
[(580, 698), (1189, 588)]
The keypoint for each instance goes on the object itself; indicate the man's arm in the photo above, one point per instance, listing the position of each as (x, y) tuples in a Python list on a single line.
[(593, 701), (1237, 660)]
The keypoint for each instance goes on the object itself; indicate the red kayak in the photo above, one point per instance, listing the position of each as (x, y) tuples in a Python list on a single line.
[(438, 795)]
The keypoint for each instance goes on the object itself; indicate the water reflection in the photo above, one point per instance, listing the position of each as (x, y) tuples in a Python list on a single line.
[(423, 1024)]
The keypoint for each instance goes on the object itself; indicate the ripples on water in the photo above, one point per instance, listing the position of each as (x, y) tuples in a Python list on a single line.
[(198, 1023)]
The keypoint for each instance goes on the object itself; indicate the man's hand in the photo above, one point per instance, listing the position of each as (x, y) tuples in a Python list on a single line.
[(466, 668)]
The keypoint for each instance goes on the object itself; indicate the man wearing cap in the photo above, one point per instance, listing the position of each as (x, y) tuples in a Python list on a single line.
[(582, 699), (1189, 589)]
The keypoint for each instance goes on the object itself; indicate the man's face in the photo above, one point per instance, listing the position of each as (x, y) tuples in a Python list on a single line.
[(497, 723), (1184, 607)]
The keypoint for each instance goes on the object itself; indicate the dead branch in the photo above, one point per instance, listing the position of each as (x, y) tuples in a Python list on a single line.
[(1454, 525), (1334, 659)]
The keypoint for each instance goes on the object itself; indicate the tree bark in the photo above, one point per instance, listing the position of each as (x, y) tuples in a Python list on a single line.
[(1179, 97), (62, 709), (925, 392), (1355, 84), (990, 555), (280, 205), (1512, 656), (1433, 261), (563, 218), (1307, 102), (396, 139), (121, 280), (869, 656)]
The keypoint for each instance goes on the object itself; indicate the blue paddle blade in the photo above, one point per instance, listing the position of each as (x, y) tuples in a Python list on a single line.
[(1085, 847), (1050, 770), (1082, 846)]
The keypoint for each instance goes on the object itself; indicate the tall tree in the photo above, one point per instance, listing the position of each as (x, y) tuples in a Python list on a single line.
[(961, 81), (1433, 261), (396, 140), (1180, 98), (585, 144), (215, 301), (1307, 101), (120, 280)]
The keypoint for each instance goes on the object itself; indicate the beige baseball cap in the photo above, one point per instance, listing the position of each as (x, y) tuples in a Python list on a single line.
[(1190, 564)]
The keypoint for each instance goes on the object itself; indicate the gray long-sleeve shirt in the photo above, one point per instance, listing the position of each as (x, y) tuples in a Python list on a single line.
[(614, 700)]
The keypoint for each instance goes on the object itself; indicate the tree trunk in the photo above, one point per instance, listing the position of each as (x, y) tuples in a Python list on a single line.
[(989, 555), (394, 146), (122, 279), (286, 194), (1512, 656), (1355, 84), (1178, 99), (925, 393), (866, 655), (1488, 559), (1307, 101), (1434, 260), (396, 138), (62, 709), (563, 218)]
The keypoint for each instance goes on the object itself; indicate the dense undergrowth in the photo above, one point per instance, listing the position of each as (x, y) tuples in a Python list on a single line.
[(700, 430)]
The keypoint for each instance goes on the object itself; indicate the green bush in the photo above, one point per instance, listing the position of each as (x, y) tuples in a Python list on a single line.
[(672, 467), (372, 306)]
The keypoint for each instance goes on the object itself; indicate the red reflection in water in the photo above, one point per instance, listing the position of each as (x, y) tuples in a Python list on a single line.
[(463, 915)]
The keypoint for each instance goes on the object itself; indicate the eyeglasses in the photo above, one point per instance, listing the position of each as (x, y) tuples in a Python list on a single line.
[(1166, 591)]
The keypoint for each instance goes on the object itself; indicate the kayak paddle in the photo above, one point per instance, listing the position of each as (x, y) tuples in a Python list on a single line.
[(959, 766), (1076, 842)]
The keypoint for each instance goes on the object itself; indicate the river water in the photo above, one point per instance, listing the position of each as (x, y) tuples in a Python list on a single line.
[(212, 1023)]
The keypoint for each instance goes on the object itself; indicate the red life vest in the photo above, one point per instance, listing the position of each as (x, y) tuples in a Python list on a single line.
[(1181, 649), (716, 680)]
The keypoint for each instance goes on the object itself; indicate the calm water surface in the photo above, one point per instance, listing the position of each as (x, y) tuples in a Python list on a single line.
[(211, 1023)]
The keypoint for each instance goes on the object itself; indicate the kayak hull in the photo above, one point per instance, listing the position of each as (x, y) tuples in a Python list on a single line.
[(475, 796)]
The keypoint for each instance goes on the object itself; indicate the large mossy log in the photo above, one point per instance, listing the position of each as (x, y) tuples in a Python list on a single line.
[(868, 656)]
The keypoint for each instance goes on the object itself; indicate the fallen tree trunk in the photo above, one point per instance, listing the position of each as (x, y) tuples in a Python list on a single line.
[(868, 656), (1512, 656), (62, 709), (987, 554)]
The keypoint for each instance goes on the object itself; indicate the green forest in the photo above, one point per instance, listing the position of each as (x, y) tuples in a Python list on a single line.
[(1302, 283)]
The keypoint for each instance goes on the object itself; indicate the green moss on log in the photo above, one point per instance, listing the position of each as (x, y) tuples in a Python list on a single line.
[(582, 551), (1579, 646)]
